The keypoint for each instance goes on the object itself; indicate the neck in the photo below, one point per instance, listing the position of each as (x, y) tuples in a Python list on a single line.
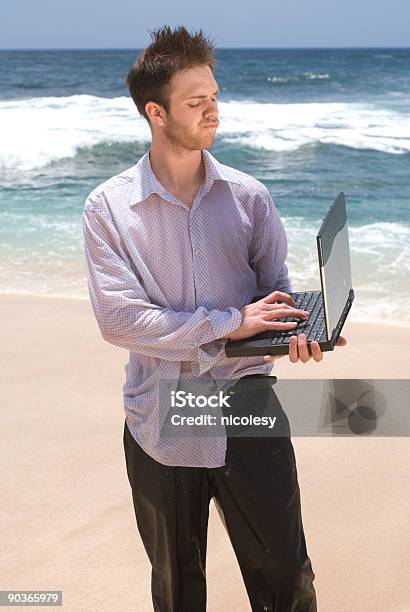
[(178, 172)]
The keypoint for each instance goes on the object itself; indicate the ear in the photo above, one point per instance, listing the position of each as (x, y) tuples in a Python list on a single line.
[(155, 112)]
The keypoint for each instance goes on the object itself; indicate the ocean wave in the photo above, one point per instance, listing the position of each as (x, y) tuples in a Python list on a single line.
[(287, 127), (38, 131), (380, 255), (296, 78), (313, 76), (382, 243)]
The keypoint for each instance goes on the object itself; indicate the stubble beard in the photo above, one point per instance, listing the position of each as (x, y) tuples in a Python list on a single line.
[(182, 140)]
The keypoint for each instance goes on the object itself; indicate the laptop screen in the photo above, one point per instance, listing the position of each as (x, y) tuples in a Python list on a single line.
[(334, 261)]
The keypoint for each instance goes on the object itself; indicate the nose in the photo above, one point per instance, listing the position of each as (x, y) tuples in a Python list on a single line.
[(211, 111)]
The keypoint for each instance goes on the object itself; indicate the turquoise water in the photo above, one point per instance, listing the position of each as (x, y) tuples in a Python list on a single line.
[(307, 123)]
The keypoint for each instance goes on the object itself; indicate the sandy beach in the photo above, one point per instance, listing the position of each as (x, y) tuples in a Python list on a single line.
[(67, 516)]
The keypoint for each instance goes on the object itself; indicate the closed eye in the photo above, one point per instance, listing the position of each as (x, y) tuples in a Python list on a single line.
[(198, 103)]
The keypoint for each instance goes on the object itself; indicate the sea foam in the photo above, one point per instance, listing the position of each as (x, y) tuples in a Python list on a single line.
[(38, 131)]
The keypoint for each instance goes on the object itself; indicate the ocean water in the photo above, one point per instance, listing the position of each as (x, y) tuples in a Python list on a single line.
[(307, 123)]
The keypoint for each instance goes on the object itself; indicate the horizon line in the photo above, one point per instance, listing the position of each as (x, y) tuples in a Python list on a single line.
[(216, 48)]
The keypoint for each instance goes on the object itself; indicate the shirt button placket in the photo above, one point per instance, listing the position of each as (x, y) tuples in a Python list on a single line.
[(195, 253)]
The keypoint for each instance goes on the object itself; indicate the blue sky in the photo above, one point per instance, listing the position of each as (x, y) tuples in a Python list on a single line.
[(33, 24)]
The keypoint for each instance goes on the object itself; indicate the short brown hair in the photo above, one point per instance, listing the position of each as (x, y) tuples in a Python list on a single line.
[(171, 51)]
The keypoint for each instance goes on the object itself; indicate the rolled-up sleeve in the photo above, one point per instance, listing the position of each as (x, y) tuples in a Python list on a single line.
[(269, 249), (127, 318)]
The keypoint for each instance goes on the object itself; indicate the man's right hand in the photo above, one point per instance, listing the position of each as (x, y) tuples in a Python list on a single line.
[(260, 316)]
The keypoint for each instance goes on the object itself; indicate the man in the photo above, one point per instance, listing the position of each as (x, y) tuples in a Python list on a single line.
[(176, 248)]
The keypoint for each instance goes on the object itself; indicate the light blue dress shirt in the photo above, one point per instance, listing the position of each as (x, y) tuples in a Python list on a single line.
[(167, 281)]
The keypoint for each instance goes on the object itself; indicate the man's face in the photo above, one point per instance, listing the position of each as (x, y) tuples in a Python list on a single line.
[(192, 120)]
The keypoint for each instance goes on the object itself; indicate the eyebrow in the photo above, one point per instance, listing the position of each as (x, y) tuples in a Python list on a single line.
[(215, 94)]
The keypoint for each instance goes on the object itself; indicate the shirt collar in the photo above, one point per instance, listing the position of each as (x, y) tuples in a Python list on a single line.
[(146, 183)]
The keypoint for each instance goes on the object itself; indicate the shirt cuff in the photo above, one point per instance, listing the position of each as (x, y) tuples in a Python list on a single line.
[(210, 352)]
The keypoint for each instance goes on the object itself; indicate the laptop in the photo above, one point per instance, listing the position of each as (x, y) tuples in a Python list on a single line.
[(328, 308)]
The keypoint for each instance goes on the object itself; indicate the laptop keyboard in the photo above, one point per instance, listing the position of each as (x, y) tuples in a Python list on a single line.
[(314, 326)]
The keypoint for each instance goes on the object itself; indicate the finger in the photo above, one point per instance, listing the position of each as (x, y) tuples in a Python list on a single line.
[(304, 354), (285, 313), (288, 311), (293, 349), (279, 325), (276, 306), (341, 341), (316, 351), (272, 357), (278, 295)]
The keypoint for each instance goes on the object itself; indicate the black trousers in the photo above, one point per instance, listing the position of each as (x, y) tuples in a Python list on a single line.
[(257, 496)]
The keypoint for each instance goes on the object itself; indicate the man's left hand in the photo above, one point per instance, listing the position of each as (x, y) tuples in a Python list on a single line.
[(298, 349)]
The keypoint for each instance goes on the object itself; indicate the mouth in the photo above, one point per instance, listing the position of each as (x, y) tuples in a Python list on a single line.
[(214, 124)]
